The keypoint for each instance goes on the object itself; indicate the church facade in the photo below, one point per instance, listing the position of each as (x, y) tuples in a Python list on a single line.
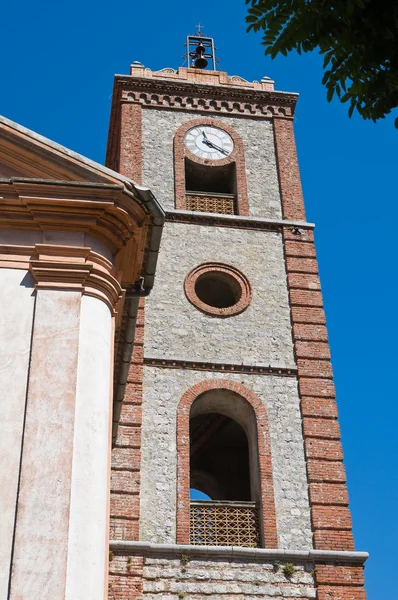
[(204, 394)]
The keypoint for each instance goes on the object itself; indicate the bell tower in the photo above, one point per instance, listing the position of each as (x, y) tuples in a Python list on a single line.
[(227, 473)]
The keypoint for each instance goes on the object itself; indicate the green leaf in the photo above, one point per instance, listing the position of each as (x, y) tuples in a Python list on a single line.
[(358, 41)]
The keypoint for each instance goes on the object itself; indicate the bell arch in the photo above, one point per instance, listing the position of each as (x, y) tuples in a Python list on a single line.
[(234, 163), (235, 402)]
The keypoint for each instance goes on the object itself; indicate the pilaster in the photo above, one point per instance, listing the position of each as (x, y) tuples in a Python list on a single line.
[(62, 497)]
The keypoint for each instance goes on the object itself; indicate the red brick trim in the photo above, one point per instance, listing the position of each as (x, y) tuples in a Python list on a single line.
[(237, 156), (130, 157), (263, 440), (331, 519), (336, 582), (239, 278), (288, 170), (126, 455), (125, 577)]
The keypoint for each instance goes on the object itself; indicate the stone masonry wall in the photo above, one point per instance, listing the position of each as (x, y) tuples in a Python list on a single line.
[(193, 579), (167, 577), (177, 330), (163, 389), (159, 128), (200, 580)]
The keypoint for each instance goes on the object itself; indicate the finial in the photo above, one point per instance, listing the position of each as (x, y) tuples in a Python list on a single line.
[(199, 27)]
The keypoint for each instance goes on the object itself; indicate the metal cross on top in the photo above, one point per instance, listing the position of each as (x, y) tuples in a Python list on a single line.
[(199, 27)]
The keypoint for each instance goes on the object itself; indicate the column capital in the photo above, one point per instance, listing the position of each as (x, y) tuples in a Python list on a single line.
[(110, 213), (77, 268)]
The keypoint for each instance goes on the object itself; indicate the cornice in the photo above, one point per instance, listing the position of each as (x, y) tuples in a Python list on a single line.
[(33, 152), (108, 212), (195, 89), (218, 367), (235, 221), (263, 555), (172, 94)]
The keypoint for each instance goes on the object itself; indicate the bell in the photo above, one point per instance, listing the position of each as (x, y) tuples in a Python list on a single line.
[(200, 62)]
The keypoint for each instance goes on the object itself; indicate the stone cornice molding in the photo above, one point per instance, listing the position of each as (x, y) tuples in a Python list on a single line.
[(66, 267), (220, 367), (108, 212), (193, 95), (235, 221), (236, 553), (77, 268)]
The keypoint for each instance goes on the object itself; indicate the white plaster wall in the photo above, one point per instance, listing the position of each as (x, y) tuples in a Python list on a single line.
[(163, 389), (41, 539), (159, 128), (175, 329), (16, 314), (88, 523)]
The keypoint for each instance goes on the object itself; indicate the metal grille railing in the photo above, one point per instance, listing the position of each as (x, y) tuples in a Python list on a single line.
[(211, 203), (219, 523)]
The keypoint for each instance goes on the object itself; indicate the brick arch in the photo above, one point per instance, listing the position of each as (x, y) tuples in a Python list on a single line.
[(237, 156), (267, 509)]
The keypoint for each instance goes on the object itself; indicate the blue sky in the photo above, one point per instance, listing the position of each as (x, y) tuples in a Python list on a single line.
[(57, 67)]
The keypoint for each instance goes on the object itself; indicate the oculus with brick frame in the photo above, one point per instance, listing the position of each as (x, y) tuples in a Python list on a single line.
[(217, 289)]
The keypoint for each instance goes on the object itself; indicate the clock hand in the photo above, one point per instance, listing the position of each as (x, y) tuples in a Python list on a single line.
[(211, 145)]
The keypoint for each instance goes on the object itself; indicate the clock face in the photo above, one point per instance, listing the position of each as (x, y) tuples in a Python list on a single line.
[(206, 141)]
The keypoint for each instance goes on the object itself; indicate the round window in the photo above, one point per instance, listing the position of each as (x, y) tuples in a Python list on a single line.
[(218, 289)]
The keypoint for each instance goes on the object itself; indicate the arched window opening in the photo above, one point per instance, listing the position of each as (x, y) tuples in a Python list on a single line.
[(210, 188), (224, 465), (209, 168), (219, 448), (213, 179)]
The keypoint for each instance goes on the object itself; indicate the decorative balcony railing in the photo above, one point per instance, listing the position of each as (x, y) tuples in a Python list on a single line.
[(211, 203), (219, 523)]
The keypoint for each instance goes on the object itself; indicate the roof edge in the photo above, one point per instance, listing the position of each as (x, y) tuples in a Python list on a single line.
[(142, 193)]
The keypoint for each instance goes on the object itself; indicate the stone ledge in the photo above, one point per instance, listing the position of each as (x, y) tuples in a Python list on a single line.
[(239, 221), (234, 552), (219, 367)]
